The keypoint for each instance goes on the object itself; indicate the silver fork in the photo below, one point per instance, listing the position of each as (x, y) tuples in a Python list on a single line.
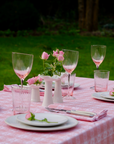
[(51, 110)]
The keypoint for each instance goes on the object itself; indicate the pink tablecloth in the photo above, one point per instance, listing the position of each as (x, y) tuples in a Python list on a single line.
[(99, 132)]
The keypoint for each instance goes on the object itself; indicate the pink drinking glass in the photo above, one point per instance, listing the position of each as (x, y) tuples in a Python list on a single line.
[(69, 64), (101, 78), (22, 64), (21, 98)]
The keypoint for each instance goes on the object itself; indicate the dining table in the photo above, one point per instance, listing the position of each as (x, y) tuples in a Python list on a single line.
[(85, 132)]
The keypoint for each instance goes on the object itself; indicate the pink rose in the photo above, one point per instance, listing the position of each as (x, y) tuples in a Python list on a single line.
[(28, 115), (45, 55), (55, 53), (34, 80), (61, 52), (31, 81), (38, 78), (111, 92), (60, 58)]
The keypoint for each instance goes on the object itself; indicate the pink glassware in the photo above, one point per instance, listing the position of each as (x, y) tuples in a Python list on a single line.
[(101, 78), (64, 84), (22, 74), (69, 64), (22, 65), (21, 99), (69, 68), (98, 54), (97, 62)]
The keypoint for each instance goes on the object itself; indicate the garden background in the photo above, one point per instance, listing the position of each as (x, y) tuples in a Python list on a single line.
[(30, 26)]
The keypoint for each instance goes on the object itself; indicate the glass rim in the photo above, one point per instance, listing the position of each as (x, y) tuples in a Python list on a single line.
[(21, 88), (70, 50), (102, 46), (22, 53), (73, 74), (101, 71)]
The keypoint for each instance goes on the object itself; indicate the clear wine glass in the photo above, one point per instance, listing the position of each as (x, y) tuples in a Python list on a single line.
[(69, 64), (22, 64), (98, 54)]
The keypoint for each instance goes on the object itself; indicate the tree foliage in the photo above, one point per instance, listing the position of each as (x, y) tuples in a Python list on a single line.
[(18, 15), (28, 14)]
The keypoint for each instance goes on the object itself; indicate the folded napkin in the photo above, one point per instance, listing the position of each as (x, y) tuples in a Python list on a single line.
[(99, 115), (7, 88)]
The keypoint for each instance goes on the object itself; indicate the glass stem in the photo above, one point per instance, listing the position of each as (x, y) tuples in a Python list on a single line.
[(97, 67), (22, 83), (68, 83)]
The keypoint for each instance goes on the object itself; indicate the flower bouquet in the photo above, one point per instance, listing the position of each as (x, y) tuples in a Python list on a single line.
[(52, 69), (54, 66), (52, 72), (35, 83)]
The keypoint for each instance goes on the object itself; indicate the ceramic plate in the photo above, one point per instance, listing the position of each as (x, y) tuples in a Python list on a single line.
[(76, 85), (62, 85), (12, 121), (55, 118), (106, 95), (102, 96)]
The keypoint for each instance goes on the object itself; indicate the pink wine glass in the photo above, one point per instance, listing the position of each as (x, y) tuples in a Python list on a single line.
[(69, 64), (98, 54), (22, 65)]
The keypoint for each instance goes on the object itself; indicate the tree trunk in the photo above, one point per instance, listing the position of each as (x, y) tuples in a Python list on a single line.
[(88, 18), (88, 14), (81, 14), (95, 15)]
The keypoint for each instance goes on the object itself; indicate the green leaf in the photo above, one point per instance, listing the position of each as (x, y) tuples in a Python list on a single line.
[(43, 120), (46, 64), (32, 117)]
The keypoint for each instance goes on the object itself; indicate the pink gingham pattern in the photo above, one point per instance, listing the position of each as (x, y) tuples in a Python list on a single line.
[(98, 132)]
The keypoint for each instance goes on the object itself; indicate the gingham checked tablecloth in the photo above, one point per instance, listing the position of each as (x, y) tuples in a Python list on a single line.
[(99, 132)]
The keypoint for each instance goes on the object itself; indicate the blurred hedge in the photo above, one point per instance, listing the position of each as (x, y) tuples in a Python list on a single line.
[(18, 15), (25, 14)]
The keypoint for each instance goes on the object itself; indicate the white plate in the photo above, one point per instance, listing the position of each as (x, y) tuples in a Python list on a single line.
[(99, 95), (62, 85), (12, 121), (107, 95), (58, 119), (76, 85)]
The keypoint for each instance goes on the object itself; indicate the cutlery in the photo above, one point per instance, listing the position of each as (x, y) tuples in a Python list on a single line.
[(92, 87), (76, 112)]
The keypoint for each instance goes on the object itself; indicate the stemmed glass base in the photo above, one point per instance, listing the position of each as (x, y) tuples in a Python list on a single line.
[(69, 64), (67, 97), (93, 86), (68, 89)]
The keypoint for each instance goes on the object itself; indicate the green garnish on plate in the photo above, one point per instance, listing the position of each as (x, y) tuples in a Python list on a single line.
[(32, 118)]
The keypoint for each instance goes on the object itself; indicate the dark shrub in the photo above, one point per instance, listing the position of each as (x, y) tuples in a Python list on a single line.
[(18, 15)]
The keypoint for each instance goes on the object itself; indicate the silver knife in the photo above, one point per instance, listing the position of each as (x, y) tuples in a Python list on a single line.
[(76, 112)]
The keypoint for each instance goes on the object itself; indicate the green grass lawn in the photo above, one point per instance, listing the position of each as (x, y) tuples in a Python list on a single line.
[(36, 45)]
